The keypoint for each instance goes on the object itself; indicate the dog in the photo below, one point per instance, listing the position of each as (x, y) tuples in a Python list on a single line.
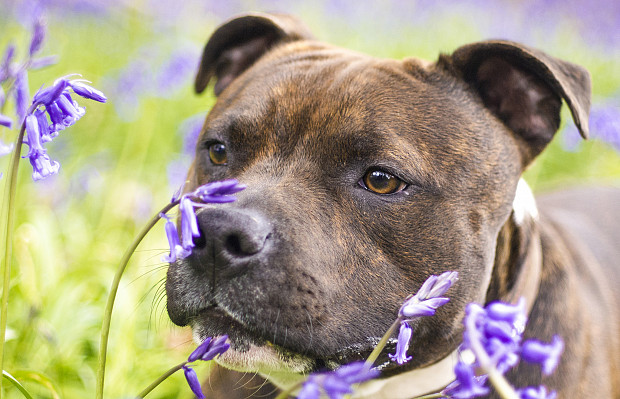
[(364, 177)]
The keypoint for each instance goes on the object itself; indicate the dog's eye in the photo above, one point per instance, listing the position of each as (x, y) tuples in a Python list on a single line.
[(381, 182), (217, 154)]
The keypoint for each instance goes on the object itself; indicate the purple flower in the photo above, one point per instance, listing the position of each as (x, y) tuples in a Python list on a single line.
[(80, 88), (219, 191), (63, 111), (536, 393), (209, 349), (427, 299), (467, 385), (5, 149), (423, 303), (5, 67), (22, 95), (38, 36), (192, 380), (404, 336), (189, 224), (43, 166), (336, 383), (176, 249), (42, 62), (6, 121), (547, 355)]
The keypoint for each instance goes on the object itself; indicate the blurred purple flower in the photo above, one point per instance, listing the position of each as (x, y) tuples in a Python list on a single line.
[(493, 335), (6, 121), (5, 149), (6, 71), (536, 393), (194, 383), (336, 383), (467, 385), (604, 126), (547, 355), (38, 35), (42, 62), (22, 95), (189, 130), (176, 72)]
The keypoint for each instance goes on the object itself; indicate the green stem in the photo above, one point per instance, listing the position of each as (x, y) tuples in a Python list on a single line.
[(107, 316), (158, 381), (9, 202), (17, 384), (377, 351), (288, 392), (431, 396)]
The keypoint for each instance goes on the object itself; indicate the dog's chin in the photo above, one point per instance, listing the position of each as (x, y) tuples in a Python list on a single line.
[(250, 353)]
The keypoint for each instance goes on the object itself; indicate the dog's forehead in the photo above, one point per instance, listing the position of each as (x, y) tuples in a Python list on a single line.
[(313, 89)]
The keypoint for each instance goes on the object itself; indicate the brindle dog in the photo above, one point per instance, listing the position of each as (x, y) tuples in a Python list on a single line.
[(365, 176)]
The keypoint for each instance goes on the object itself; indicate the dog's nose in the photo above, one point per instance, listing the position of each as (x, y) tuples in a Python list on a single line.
[(230, 237)]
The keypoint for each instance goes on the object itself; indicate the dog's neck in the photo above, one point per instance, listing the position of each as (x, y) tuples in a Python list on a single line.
[(518, 256)]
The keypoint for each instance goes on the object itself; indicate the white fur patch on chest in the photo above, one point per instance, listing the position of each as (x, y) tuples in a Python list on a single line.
[(524, 204)]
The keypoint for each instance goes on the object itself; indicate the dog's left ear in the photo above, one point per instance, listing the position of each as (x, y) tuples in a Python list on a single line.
[(524, 88), (238, 43)]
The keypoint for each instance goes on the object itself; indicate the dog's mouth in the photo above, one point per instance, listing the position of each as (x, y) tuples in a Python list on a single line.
[(251, 350)]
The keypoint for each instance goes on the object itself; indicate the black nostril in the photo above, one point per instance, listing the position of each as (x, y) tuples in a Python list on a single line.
[(233, 245), (199, 242)]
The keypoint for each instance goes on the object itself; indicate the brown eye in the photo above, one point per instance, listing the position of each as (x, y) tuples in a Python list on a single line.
[(381, 182), (217, 154)]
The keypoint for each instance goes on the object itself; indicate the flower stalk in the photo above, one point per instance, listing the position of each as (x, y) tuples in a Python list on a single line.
[(107, 315), (9, 216)]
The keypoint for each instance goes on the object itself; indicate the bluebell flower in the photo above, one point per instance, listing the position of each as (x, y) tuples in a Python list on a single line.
[(6, 121), (5, 149), (547, 355), (404, 336), (57, 103), (176, 249), (38, 35), (209, 349), (6, 70), (428, 298), (213, 192), (22, 95), (424, 303), (192, 380), (219, 191), (336, 383), (189, 224), (467, 384), (536, 393), (494, 335)]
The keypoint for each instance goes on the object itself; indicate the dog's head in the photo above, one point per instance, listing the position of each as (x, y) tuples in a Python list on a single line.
[(365, 176)]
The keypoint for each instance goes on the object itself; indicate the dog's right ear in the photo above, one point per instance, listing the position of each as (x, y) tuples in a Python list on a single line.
[(238, 43)]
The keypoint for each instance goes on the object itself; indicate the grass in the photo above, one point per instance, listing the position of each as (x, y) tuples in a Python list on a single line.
[(72, 229)]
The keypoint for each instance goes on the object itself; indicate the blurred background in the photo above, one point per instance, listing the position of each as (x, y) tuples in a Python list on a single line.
[(123, 160)]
